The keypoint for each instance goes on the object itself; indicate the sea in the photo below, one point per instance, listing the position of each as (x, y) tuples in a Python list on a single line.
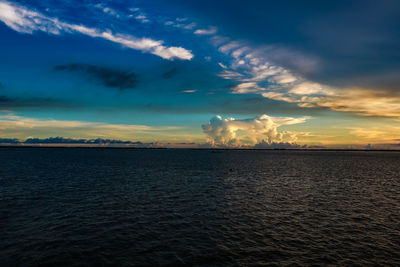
[(182, 207)]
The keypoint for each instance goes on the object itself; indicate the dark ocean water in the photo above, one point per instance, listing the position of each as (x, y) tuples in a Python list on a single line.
[(103, 207)]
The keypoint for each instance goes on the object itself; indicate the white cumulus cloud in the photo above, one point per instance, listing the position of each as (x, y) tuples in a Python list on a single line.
[(231, 132)]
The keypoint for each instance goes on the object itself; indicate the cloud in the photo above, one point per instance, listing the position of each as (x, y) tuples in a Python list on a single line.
[(307, 88), (9, 141), (246, 88), (23, 20), (222, 65), (74, 141), (18, 126), (139, 16), (97, 141), (188, 91), (170, 73), (260, 130), (356, 100), (373, 134), (255, 73), (33, 102), (230, 75), (142, 18), (178, 24), (226, 48), (62, 140), (364, 102), (211, 30), (106, 76), (4, 99), (108, 10), (134, 9), (278, 145)]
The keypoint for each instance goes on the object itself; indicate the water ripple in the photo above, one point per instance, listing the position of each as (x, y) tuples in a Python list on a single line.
[(195, 207)]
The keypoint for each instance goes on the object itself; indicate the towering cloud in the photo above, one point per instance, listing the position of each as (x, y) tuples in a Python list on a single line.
[(249, 132)]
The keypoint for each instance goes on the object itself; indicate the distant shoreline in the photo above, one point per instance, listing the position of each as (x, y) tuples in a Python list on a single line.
[(212, 149)]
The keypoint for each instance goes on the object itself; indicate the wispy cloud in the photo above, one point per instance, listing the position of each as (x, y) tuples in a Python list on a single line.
[(28, 101), (254, 73), (188, 91), (23, 20), (142, 18), (181, 24), (15, 126), (107, 10), (210, 31), (382, 134), (222, 65), (230, 75), (363, 101)]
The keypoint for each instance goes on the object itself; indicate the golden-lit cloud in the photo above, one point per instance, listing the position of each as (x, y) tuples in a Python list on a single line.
[(381, 134), (255, 73), (364, 102), (15, 126), (357, 100)]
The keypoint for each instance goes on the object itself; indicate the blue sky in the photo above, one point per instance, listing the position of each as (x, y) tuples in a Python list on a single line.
[(316, 73)]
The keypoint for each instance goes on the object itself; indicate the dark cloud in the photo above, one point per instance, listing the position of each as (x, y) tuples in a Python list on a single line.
[(93, 142), (33, 102), (4, 99), (71, 141), (108, 77), (63, 140), (285, 145), (261, 145), (170, 73), (278, 145), (9, 141)]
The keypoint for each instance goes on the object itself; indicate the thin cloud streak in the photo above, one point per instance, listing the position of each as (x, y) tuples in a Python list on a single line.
[(210, 31), (14, 125), (23, 20)]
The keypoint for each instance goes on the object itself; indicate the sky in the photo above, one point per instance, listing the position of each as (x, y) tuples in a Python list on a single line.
[(249, 74)]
